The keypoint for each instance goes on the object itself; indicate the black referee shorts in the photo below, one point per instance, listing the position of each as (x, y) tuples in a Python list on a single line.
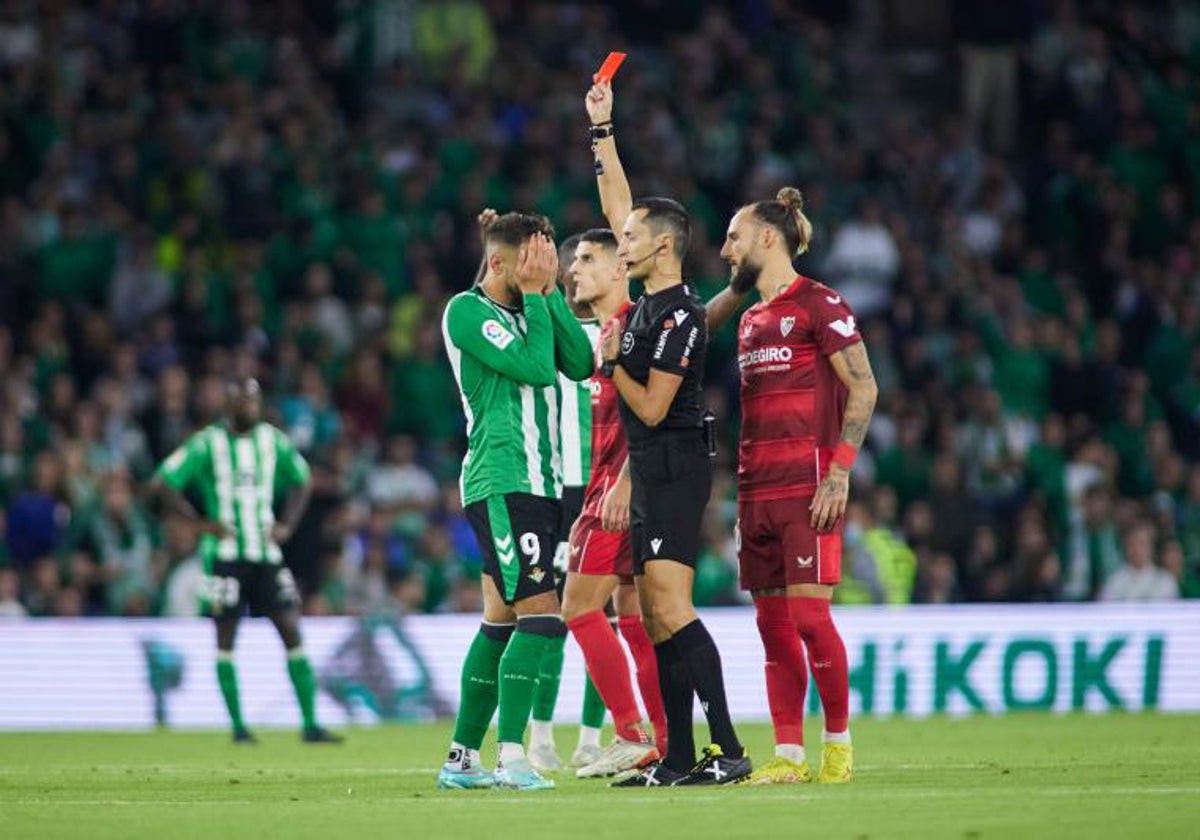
[(671, 478)]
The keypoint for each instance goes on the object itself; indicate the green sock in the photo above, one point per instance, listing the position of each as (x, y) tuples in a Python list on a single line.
[(518, 679), (227, 679), (593, 706), (479, 690), (305, 683), (545, 696)]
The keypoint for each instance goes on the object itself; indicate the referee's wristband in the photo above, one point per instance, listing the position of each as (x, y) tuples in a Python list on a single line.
[(608, 369), (844, 455), (600, 131)]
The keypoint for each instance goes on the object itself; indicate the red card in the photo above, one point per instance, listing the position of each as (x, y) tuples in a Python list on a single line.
[(609, 68)]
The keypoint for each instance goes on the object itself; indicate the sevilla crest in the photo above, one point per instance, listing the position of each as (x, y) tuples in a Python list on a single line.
[(786, 323)]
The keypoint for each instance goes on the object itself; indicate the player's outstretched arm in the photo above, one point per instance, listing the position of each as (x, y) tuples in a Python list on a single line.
[(572, 349), (853, 368), (615, 197), (723, 306)]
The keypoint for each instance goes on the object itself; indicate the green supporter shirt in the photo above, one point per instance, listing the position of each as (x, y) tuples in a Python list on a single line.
[(236, 477), (575, 419), (506, 364)]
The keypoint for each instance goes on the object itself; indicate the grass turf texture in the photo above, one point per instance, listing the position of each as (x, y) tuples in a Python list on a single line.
[(1073, 776)]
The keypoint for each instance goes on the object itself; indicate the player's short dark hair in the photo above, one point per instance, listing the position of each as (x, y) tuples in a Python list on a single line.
[(785, 213), (599, 236), (513, 229), (665, 215), (568, 245)]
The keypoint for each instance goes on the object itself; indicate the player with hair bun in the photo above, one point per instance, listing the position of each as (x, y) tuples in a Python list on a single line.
[(807, 396)]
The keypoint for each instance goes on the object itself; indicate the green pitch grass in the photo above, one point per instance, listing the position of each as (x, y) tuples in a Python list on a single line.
[(1122, 775)]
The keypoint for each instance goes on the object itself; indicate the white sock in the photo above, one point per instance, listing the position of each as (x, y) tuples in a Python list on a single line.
[(511, 752), (836, 737), (460, 757), (792, 752), (541, 733), (589, 736)]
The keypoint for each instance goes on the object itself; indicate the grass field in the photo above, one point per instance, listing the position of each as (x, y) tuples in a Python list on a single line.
[(1028, 776)]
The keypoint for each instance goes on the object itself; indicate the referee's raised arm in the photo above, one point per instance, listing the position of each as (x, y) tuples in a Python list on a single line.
[(615, 197)]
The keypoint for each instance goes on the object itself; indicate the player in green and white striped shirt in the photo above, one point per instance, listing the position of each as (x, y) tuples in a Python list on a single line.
[(507, 339), (234, 467)]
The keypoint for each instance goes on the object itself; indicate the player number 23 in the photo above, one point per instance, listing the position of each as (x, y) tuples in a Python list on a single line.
[(224, 591)]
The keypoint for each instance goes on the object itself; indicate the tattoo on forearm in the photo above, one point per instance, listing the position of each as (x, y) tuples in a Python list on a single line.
[(857, 363), (861, 404), (857, 419)]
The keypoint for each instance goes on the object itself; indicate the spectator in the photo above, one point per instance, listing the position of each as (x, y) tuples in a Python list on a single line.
[(400, 482), (115, 560), (1138, 578)]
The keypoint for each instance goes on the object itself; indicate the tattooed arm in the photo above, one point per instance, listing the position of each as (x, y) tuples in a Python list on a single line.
[(854, 369)]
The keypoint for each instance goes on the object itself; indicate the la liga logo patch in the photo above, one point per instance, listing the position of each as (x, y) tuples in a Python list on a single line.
[(496, 334)]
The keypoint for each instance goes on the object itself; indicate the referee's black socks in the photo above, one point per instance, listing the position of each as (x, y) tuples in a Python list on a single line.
[(695, 648), (675, 683)]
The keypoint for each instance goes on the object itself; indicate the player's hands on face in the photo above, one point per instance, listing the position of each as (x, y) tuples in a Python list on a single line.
[(610, 350), (614, 513), (537, 265), (486, 218), (599, 103), (829, 503)]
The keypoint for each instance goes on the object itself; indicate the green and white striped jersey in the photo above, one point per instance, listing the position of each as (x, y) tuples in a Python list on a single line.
[(506, 364), (575, 416), (236, 477)]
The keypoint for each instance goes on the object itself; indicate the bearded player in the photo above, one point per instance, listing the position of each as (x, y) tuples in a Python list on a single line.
[(807, 397), (600, 562)]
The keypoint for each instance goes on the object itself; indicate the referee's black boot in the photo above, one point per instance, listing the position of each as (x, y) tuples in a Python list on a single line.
[(715, 768), (318, 735), (654, 775)]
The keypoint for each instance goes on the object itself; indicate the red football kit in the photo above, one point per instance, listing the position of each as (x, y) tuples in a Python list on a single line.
[(792, 408), (595, 551)]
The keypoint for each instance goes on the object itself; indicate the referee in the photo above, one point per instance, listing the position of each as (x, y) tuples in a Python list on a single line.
[(657, 365)]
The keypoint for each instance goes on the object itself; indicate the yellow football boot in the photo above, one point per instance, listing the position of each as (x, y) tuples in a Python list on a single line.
[(837, 763), (779, 771)]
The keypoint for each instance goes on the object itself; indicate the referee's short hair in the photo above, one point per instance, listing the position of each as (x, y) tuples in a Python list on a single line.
[(665, 215), (513, 229)]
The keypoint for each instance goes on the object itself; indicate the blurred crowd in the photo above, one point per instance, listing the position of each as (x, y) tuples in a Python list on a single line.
[(191, 190)]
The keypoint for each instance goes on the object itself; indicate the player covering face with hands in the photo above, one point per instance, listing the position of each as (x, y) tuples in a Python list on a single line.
[(807, 395), (507, 338)]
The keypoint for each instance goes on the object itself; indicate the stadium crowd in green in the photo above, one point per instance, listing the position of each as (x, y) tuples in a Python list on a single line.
[(289, 190)]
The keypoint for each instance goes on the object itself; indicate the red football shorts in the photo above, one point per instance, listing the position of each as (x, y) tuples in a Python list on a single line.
[(778, 547), (595, 551)]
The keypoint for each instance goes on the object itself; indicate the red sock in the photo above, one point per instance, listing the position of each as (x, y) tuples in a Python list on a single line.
[(827, 655), (787, 675), (647, 675), (609, 671)]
